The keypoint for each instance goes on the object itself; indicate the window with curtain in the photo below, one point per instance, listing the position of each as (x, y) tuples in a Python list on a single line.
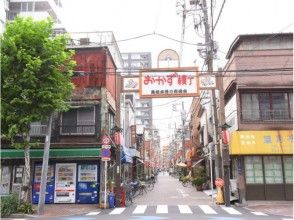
[(253, 170), (273, 170), (267, 106), (250, 106), (288, 169)]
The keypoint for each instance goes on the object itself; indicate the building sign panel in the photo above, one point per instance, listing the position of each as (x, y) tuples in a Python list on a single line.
[(168, 83), (207, 82), (261, 142), (131, 84)]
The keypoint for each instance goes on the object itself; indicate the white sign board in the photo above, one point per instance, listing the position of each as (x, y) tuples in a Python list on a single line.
[(131, 84), (166, 84), (207, 82)]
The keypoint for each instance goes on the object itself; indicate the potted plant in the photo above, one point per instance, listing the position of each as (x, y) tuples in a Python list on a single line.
[(198, 182)]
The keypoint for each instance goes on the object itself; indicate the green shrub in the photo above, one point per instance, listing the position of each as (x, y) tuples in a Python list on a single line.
[(25, 208), (9, 205), (198, 181)]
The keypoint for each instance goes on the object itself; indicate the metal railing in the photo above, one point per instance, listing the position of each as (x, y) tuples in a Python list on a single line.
[(266, 115), (38, 130), (77, 129)]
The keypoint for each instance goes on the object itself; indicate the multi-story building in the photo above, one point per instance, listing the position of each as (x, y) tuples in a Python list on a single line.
[(258, 95), (38, 10), (133, 62), (76, 175), (4, 7)]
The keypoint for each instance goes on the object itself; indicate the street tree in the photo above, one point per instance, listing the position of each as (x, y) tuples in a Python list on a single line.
[(36, 71)]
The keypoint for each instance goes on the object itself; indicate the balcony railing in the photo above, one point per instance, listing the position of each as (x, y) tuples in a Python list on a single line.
[(77, 129), (266, 115), (38, 130)]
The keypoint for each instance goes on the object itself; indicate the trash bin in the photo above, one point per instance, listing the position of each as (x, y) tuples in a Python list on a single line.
[(111, 200)]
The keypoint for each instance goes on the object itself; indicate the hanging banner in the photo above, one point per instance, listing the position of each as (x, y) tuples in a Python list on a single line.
[(168, 83)]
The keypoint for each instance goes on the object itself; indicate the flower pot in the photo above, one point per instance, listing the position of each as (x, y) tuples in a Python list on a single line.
[(199, 188)]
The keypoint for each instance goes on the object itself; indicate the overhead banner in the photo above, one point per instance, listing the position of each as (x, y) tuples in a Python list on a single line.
[(261, 142), (168, 83)]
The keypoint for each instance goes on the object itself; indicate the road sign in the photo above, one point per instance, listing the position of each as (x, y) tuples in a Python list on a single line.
[(106, 146), (106, 140), (105, 152)]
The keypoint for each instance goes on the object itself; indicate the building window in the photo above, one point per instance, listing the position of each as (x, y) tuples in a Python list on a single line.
[(266, 106), (26, 6), (273, 170), (253, 170), (288, 169), (111, 121), (78, 121)]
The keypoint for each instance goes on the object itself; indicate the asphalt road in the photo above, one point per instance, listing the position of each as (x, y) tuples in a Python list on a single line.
[(170, 200)]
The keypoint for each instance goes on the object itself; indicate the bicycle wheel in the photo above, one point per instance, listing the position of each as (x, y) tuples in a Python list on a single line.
[(129, 200)]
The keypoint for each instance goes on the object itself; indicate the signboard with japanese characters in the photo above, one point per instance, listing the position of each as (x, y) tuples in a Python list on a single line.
[(168, 83)]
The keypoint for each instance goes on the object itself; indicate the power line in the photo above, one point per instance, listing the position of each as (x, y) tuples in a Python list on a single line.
[(219, 14)]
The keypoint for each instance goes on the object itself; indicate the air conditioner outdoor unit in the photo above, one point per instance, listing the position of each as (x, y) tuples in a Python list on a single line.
[(84, 41)]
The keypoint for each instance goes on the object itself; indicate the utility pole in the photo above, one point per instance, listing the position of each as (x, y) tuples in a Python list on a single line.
[(183, 132), (209, 63), (43, 186), (183, 30)]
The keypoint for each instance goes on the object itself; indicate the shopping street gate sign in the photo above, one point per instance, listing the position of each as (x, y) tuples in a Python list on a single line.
[(169, 83)]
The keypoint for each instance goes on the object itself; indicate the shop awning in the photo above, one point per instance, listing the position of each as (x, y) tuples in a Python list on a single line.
[(54, 153), (261, 142)]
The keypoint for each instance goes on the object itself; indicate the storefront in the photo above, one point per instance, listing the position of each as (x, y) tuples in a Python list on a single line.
[(73, 174), (264, 159)]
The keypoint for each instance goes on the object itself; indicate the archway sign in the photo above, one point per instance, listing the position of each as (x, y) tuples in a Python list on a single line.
[(169, 82)]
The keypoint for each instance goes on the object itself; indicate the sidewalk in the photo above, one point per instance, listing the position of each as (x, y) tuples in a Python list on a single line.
[(67, 209), (284, 208), (272, 207)]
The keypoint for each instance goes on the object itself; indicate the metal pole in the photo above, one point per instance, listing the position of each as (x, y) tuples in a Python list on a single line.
[(183, 133), (209, 60), (105, 184), (211, 174), (42, 192)]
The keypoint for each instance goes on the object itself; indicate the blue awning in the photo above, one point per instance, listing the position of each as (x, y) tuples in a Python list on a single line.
[(128, 154)]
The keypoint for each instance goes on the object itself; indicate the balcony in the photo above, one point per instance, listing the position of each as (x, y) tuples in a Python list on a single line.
[(266, 115), (86, 129), (38, 130)]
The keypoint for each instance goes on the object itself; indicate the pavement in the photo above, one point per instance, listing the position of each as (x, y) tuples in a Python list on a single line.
[(169, 191)]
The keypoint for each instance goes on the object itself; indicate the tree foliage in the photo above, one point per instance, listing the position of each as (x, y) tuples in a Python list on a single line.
[(36, 69)]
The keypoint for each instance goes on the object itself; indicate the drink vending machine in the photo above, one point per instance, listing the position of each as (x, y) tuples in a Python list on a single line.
[(88, 183), (49, 197), (65, 183)]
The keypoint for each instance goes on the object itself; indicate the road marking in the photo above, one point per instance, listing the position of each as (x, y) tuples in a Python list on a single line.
[(287, 219), (161, 209), (231, 210), (207, 209), (117, 211), (140, 209), (259, 213), (93, 213), (185, 209)]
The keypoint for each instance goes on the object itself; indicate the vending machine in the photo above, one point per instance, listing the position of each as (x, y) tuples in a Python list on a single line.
[(65, 183), (88, 183), (49, 196)]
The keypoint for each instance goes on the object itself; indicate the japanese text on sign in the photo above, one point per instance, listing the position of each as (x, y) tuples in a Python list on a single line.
[(163, 84)]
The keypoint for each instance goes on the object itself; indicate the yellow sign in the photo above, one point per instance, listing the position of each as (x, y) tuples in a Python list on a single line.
[(261, 142)]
